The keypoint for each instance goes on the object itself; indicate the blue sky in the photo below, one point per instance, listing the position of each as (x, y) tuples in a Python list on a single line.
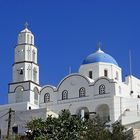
[(66, 31)]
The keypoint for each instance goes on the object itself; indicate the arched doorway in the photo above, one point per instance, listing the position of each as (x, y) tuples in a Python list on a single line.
[(103, 112), (83, 112)]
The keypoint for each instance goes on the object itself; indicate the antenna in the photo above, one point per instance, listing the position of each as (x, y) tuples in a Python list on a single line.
[(130, 67), (69, 69), (130, 63)]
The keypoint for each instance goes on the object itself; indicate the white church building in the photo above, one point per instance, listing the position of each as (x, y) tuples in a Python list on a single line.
[(96, 89)]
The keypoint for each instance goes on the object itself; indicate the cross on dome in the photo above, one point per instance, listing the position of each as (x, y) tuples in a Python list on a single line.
[(99, 44), (26, 24), (26, 28)]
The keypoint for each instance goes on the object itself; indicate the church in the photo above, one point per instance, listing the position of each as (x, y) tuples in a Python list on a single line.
[(96, 89)]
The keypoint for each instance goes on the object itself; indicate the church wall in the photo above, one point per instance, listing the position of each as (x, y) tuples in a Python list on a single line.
[(116, 70), (123, 104), (92, 100), (12, 91), (112, 69), (72, 84), (17, 106), (20, 118), (20, 53), (13, 86), (17, 77), (35, 70), (102, 102), (109, 87), (98, 70), (30, 51), (53, 95), (74, 105), (27, 74), (107, 67), (134, 84), (122, 90), (84, 70)]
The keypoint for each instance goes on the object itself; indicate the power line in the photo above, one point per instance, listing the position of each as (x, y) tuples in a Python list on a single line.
[(4, 114), (9, 121), (4, 109)]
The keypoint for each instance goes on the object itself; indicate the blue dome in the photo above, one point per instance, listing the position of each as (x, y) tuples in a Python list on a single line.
[(100, 56)]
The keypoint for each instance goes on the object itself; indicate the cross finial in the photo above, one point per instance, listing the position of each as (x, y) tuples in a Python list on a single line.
[(99, 44), (26, 24)]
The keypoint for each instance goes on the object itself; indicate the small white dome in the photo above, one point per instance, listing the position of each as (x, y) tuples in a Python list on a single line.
[(26, 30), (25, 36)]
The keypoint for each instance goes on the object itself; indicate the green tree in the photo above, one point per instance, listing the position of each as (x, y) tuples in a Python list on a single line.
[(68, 127), (36, 129), (119, 132), (65, 127), (96, 130)]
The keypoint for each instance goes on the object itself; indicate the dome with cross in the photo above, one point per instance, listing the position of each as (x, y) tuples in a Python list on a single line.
[(99, 56)]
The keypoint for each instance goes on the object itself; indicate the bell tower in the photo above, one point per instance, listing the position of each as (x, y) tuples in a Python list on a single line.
[(25, 67), (25, 78)]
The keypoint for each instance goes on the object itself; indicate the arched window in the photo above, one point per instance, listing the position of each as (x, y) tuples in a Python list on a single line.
[(102, 89), (34, 75), (47, 97), (29, 53), (103, 112), (29, 72), (19, 94), (106, 73), (36, 94), (82, 92), (20, 71), (31, 40), (64, 95), (33, 53), (27, 38), (90, 74)]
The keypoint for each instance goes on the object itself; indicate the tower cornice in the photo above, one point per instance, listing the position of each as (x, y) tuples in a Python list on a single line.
[(25, 62), (25, 44)]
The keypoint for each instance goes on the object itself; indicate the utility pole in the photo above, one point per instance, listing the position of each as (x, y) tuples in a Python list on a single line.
[(9, 122)]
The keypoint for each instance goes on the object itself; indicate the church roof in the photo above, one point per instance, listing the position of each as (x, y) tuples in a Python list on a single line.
[(26, 30), (99, 56)]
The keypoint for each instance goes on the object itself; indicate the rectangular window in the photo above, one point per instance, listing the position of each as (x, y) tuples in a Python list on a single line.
[(90, 74), (105, 73), (0, 133), (117, 76)]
